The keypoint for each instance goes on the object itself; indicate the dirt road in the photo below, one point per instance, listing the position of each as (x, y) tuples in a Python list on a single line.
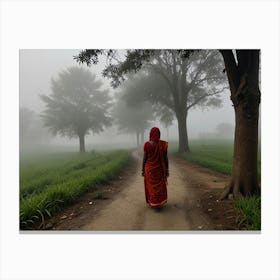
[(192, 203), (130, 212)]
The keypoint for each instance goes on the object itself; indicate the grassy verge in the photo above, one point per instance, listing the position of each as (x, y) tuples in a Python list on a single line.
[(214, 154), (249, 209), (36, 179), (218, 155), (55, 183)]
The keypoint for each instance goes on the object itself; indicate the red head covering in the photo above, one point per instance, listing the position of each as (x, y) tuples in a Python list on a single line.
[(154, 134)]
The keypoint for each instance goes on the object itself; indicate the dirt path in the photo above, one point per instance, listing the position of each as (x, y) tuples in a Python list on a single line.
[(129, 211), (192, 203)]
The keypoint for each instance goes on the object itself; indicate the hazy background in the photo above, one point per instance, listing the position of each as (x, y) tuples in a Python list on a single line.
[(37, 67)]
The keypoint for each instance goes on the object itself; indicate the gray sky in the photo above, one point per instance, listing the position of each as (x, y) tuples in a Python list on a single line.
[(38, 66)]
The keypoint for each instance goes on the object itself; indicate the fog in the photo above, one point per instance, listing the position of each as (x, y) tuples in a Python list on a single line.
[(38, 67)]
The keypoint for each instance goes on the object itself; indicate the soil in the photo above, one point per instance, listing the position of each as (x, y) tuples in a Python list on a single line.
[(120, 205)]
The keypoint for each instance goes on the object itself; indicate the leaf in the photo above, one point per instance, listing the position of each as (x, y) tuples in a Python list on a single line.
[(47, 211)]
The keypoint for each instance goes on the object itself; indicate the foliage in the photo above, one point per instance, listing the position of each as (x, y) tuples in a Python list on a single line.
[(249, 209), (58, 181), (132, 119), (176, 79), (134, 109), (77, 104), (166, 116), (203, 68), (134, 60)]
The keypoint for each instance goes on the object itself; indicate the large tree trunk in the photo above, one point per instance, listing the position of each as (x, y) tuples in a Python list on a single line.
[(244, 179), (245, 96), (183, 135), (82, 143)]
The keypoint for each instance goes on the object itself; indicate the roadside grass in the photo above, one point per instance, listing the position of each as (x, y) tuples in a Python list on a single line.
[(214, 154), (218, 155), (249, 209), (40, 175), (47, 184)]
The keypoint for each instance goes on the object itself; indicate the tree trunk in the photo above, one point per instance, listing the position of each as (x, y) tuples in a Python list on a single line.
[(183, 135), (244, 179), (142, 137), (82, 143), (245, 96), (137, 139)]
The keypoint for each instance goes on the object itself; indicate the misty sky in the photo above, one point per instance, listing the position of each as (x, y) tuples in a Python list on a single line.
[(38, 66)]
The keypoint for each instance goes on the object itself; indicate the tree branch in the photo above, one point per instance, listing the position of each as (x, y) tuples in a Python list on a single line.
[(215, 92), (160, 71), (231, 69)]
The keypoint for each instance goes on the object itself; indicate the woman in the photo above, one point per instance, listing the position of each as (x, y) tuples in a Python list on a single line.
[(155, 169)]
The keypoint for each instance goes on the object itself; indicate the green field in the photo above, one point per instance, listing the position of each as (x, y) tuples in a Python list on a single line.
[(50, 181), (214, 154)]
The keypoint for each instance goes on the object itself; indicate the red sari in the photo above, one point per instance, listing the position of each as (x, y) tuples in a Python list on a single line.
[(155, 178)]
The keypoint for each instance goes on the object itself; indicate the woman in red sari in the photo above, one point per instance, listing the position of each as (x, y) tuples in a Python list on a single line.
[(155, 169)]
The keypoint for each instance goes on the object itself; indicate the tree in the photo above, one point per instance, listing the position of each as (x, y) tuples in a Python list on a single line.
[(166, 117), (178, 79), (132, 117), (243, 77), (77, 105), (31, 131), (143, 89), (181, 84)]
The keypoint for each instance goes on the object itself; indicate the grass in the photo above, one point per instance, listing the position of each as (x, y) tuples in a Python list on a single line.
[(218, 155), (249, 209), (49, 182), (35, 177), (214, 154)]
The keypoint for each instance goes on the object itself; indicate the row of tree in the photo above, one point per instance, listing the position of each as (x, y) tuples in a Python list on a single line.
[(78, 105), (163, 84), (167, 86), (173, 81), (188, 84)]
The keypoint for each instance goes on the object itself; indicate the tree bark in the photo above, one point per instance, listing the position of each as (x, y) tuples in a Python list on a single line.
[(183, 135), (245, 96), (82, 143)]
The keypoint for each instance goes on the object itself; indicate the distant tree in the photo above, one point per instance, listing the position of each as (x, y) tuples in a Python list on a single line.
[(77, 105), (143, 89), (181, 84), (31, 131), (243, 77), (132, 118), (118, 70), (166, 118), (225, 130)]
